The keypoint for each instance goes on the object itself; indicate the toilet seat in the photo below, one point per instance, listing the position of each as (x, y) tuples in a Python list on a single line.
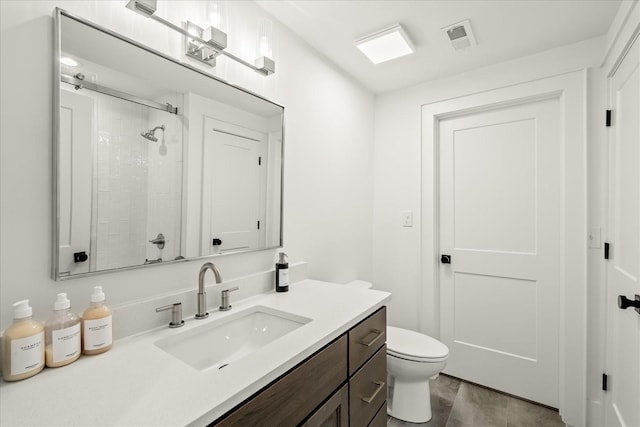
[(411, 345)]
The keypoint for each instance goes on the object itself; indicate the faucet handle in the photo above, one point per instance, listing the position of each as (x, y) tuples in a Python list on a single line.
[(176, 314), (224, 295)]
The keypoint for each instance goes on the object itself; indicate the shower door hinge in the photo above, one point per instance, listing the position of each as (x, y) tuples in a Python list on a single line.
[(608, 118), (606, 250), (604, 382)]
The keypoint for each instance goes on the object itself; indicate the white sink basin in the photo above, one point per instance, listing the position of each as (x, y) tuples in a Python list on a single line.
[(219, 343)]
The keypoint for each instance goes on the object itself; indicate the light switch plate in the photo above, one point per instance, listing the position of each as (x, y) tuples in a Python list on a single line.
[(407, 219), (594, 237)]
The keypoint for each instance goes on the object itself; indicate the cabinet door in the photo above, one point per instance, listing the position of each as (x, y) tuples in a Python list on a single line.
[(368, 391), (334, 413), (289, 400)]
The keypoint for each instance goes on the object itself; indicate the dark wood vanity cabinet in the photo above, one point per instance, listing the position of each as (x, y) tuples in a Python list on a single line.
[(343, 384)]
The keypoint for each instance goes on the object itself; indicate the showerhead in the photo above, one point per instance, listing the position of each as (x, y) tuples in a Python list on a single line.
[(151, 134)]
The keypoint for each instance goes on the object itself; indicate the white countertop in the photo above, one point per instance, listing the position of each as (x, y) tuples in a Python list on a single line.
[(136, 383)]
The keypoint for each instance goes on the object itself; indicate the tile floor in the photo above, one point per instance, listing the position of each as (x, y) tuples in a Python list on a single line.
[(456, 403)]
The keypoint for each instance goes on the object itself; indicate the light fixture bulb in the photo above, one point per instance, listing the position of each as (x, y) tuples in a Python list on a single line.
[(265, 38), (69, 62), (216, 15)]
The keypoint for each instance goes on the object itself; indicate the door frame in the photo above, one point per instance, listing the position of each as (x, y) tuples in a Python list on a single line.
[(570, 89)]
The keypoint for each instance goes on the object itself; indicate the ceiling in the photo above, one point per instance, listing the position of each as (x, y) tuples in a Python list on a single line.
[(504, 30)]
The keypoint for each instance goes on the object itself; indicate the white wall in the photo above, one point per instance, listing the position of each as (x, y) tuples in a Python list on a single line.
[(328, 161)]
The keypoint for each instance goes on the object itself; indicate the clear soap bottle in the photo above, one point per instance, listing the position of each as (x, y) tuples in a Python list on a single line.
[(62, 334), (23, 344), (97, 321)]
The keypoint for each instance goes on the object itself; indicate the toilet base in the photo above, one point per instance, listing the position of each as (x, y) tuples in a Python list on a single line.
[(409, 401)]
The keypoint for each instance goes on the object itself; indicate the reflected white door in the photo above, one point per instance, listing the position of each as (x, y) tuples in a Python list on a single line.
[(623, 326), (74, 185), (499, 175), (233, 187)]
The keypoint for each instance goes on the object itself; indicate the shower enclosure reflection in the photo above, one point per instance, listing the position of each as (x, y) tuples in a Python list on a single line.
[(157, 162)]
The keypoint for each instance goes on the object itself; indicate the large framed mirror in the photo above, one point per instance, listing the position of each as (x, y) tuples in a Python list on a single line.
[(155, 160)]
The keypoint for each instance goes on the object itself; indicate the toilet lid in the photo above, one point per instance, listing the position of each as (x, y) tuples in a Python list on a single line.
[(403, 342)]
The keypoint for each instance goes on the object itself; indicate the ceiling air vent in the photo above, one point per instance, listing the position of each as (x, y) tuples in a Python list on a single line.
[(460, 35)]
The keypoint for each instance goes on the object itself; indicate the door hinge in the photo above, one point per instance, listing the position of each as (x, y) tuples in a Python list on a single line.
[(258, 225), (606, 250), (608, 118), (259, 161), (605, 384)]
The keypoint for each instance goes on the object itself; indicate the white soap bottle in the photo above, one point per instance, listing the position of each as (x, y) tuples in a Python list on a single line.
[(23, 344), (62, 334), (97, 326)]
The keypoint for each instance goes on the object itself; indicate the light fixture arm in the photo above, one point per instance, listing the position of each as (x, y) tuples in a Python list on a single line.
[(148, 8)]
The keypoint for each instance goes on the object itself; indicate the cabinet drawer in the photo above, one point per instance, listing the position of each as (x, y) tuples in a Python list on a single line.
[(295, 395), (366, 338), (368, 389), (380, 420)]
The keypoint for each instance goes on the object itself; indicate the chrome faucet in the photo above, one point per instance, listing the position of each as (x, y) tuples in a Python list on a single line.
[(202, 296)]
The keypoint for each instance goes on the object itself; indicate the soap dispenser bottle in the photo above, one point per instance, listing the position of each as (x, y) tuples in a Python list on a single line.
[(97, 329), (62, 334), (282, 273), (23, 344)]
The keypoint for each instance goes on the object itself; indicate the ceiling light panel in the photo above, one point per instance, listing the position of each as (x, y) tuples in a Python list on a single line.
[(386, 44)]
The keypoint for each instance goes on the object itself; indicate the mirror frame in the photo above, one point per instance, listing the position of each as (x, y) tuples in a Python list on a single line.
[(57, 37)]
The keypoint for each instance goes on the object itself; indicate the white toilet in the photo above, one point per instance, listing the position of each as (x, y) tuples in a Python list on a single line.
[(412, 359)]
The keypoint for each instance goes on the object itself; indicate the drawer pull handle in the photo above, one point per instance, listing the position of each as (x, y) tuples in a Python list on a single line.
[(380, 385), (378, 335)]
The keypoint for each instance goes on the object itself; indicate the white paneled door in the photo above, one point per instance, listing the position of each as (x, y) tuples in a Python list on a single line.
[(623, 324), (233, 186), (499, 197)]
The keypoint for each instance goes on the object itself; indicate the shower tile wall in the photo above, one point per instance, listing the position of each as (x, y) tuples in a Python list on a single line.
[(120, 184), (165, 182)]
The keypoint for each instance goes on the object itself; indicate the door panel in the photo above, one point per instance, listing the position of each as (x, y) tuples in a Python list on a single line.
[(623, 326), (499, 219), (74, 234), (506, 151)]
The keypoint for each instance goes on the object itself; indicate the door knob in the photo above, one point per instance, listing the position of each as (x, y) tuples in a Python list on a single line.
[(80, 256), (216, 242), (445, 259), (624, 302)]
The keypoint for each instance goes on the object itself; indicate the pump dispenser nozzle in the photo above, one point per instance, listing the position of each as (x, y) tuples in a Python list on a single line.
[(62, 302), (22, 309)]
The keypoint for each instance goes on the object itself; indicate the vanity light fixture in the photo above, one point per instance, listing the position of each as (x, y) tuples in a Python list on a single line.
[(212, 31), (203, 44), (386, 44)]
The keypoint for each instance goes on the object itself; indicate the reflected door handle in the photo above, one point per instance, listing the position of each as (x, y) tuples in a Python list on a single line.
[(624, 302), (445, 259), (80, 256)]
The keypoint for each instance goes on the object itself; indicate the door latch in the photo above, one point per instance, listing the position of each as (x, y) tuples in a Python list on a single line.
[(445, 259), (624, 302), (80, 256)]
